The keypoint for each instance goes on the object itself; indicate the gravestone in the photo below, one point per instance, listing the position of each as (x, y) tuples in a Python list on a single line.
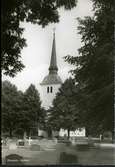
[(13, 159), (67, 158), (83, 147), (3, 142), (35, 147), (55, 140), (12, 146), (73, 141), (21, 143)]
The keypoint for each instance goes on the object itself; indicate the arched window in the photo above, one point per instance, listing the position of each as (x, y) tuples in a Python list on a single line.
[(51, 89), (48, 89)]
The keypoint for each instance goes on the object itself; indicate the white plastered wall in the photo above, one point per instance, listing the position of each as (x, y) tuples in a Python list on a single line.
[(47, 98)]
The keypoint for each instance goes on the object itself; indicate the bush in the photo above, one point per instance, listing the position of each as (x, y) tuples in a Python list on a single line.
[(107, 134)]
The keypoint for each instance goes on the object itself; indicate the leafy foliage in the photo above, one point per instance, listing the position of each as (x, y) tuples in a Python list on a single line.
[(20, 111), (11, 102), (41, 12), (64, 114), (94, 68), (31, 108)]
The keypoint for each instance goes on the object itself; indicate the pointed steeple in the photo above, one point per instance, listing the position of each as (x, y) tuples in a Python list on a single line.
[(53, 62), (52, 77)]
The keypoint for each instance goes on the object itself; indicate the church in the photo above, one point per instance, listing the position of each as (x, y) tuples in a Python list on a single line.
[(52, 82), (50, 86)]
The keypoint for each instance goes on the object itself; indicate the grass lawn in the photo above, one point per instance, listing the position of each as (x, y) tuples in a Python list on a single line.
[(65, 154)]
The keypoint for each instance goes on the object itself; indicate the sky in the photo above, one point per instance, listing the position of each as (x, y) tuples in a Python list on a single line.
[(36, 56)]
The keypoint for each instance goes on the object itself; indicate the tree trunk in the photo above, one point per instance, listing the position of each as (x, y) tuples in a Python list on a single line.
[(10, 132), (68, 131), (25, 135), (113, 135)]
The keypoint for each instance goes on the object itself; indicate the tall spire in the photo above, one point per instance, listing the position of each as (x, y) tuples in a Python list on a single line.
[(53, 62), (53, 69)]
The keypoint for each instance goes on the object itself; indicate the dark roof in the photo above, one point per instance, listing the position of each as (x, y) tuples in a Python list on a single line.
[(53, 62), (51, 79)]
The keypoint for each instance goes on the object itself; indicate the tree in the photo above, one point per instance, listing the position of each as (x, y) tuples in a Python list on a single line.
[(21, 112), (32, 113), (11, 102), (41, 12), (64, 114), (94, 68)]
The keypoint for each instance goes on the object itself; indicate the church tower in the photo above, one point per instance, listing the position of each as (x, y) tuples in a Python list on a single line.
[(52, 81)]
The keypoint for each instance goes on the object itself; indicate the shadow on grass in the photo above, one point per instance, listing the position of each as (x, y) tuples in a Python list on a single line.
[(68, 158)]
